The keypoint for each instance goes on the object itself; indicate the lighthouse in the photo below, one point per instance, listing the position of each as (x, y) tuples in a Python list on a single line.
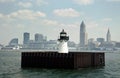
[(62, 46)]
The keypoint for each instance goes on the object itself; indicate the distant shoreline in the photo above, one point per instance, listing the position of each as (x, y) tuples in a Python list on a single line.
[(30, 50)]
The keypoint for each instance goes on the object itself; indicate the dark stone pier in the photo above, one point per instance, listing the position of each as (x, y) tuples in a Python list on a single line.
[(71, 60)]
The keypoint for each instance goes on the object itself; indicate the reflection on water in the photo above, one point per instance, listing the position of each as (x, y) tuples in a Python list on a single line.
[(10, 67)]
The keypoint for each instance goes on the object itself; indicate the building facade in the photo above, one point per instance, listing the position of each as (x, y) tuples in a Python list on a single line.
[(26, 38), (83, 35), (39, 37)]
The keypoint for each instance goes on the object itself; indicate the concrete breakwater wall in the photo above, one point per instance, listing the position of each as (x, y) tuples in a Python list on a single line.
[(71, 60)]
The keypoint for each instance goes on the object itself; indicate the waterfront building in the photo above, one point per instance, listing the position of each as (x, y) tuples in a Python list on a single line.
[(51, 45), (13, 45), (13, 42), (93, 45), (117, 44)]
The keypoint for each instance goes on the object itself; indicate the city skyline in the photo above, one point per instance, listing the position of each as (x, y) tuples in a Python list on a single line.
[(32, 37), (38, 37), (49, 17)]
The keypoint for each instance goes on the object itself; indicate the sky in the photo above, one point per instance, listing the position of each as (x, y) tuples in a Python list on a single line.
[(49, 17)]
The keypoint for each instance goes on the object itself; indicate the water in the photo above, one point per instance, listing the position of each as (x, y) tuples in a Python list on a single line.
[(10, 67)]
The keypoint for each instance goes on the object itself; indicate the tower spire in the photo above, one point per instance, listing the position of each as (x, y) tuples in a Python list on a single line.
[(82, 27), (108, 36)]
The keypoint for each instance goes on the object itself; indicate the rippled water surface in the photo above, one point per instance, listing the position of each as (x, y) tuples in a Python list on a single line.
[(10, 67)]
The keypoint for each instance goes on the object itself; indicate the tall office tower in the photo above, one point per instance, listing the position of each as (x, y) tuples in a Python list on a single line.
[(108, 36), (26, 38), (83, 35), (39, 37)]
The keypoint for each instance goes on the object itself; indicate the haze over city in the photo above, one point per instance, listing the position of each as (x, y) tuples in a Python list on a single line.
[(49, 17)]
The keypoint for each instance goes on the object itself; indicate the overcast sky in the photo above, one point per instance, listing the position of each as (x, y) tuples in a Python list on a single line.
[(49, 17)]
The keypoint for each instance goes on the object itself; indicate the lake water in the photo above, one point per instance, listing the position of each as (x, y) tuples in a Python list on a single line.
[(10, 67)]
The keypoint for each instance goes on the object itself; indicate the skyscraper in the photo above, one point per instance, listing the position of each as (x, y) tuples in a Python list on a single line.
[(83, 35), (26, 38), (108, 36), (39, 37)]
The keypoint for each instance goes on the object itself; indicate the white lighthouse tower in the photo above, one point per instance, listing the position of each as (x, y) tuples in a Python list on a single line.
[(62, 46)]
